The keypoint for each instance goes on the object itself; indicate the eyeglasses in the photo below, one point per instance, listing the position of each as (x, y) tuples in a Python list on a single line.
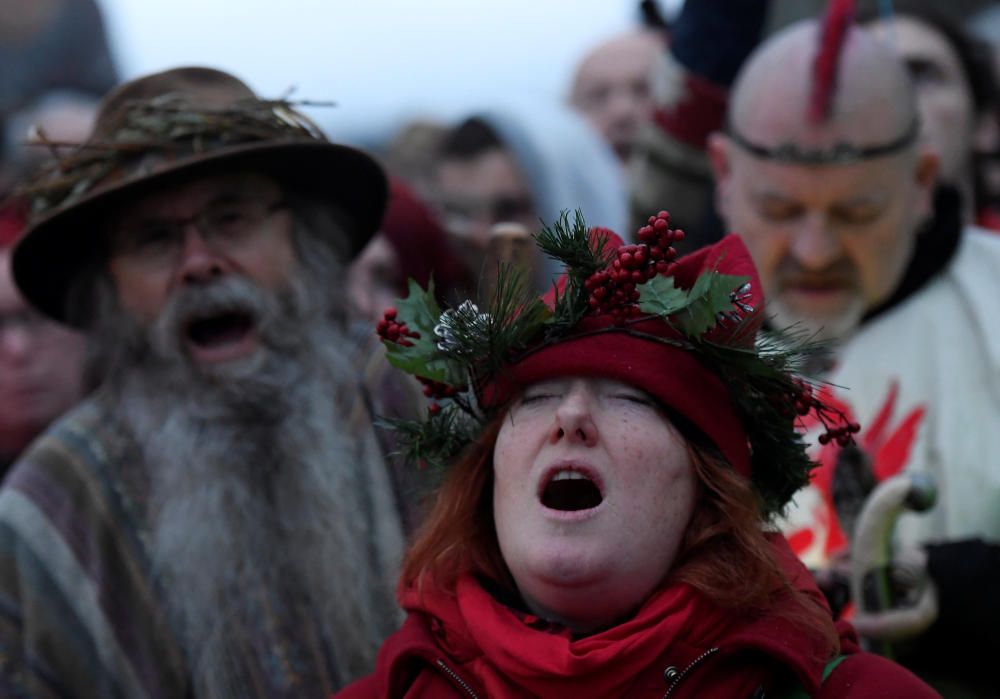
[(226, 223)]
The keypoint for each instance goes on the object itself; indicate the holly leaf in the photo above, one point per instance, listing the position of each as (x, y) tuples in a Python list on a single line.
[(660, 297), (710, 296), (420, 312)]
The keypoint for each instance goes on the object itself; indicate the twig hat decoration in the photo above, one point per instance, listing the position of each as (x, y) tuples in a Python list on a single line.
[(172, 124)]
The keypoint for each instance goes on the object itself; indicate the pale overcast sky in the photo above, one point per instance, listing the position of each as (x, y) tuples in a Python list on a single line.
[(380, 60)]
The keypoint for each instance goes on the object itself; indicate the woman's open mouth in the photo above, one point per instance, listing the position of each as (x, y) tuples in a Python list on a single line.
[(221, 337), (571, 490)]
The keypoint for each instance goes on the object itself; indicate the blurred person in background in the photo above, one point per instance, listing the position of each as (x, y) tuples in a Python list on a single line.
[(411, 153), (956, 94), (41, 361), (409, 245), (708, 41), (523, 166), (216, 519), (48, 45), (42, 367), (611, 87), (986, 26), (822, 172)]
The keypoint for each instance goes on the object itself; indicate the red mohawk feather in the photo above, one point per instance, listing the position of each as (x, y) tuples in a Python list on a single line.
[(833, 34)]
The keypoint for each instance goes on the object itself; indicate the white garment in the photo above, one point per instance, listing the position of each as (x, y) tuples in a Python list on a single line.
[(942, 347)]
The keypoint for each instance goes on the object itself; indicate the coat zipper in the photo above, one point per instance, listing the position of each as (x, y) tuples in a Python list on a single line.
[(683, 673), (454, 675)]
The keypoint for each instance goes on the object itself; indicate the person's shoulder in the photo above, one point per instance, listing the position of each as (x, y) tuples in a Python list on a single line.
[(978, 249), (407, 665), (70, 467), (863, 675)]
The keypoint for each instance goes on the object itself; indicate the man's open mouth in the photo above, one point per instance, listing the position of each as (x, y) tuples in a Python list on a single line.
[(570, 490), (221, 336)]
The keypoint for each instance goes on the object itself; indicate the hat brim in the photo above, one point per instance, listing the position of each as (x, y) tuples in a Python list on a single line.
[(53, 248)]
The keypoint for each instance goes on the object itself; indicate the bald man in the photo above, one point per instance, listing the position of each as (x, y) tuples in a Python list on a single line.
[(611, 87), (830, 201)]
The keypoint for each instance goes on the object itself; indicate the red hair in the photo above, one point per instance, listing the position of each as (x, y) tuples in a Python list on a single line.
[(725, 553)]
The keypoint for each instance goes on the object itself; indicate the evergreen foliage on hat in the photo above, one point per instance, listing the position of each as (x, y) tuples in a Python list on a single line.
[(688, 331)]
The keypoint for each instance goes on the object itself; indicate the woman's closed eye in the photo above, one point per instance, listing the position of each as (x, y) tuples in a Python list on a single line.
[(636, 398), (536, 397)]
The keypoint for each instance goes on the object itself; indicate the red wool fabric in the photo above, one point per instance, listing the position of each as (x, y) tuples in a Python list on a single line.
[(509, 658), (674, 376)]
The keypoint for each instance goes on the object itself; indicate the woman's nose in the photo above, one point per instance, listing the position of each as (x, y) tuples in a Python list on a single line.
[(574, 421)]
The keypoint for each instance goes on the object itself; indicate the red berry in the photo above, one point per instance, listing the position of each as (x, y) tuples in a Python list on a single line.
[(824, 438), (434, 409), (381, 326), (678, 235), (663, 216), (662, 267), (393, 332), (651, 220), (390, 313), (661, 225), (601, 292), (626, 259)]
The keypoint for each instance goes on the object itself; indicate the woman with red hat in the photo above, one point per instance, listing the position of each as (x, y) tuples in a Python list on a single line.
[(615, 452)]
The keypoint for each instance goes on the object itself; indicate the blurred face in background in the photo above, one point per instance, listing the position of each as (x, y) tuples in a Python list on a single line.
[(612, 88), (473, 194), (948, 118), (830, 242), (374, 279), (41, 367)]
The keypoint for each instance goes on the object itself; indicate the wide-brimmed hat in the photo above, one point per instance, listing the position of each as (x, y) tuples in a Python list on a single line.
[(160, 127), (689, 332)]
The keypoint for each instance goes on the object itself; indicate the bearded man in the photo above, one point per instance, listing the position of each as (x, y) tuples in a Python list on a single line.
[(216, 520)]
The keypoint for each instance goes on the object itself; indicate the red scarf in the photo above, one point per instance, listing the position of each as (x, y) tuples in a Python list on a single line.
[(509, 658)]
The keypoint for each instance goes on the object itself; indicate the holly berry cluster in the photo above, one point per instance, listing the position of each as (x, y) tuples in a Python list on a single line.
[(389, 329), (437, 391), (613, 290), (835, 424)]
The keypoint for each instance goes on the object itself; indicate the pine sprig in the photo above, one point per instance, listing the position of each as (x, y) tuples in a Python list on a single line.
[(583, 254), (571, 244), (434, 441)]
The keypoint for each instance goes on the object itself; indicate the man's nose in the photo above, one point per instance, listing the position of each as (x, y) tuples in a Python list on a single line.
[(15, 343), (200, 261), (815, 245), (574, 420)]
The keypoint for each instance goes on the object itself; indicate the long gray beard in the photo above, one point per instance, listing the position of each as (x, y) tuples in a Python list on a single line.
[(273, 536)]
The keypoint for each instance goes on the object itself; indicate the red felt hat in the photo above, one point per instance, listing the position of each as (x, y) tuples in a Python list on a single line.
[(601, 347)]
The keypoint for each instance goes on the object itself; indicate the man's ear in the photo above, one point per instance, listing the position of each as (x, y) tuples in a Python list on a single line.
[(926, 177), (718, 154)]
